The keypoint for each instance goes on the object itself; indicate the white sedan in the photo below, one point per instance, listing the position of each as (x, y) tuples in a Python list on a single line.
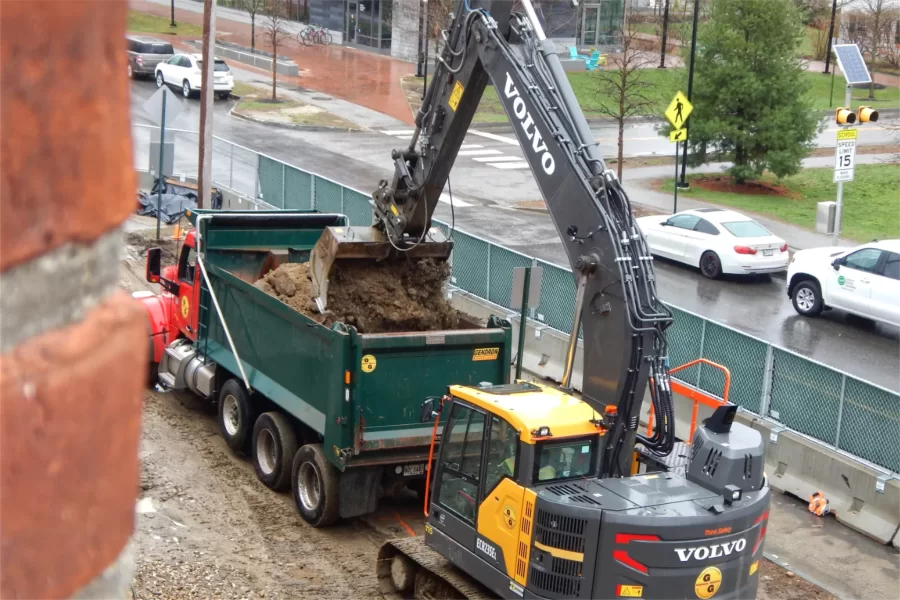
[(184, 71), (717, 241)]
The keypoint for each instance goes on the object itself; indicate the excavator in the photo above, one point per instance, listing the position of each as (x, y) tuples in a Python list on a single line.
[(532, 490)]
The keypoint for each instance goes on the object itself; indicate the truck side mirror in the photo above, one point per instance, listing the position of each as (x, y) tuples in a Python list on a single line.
[(429, 411), (154, 256), (836, 263)]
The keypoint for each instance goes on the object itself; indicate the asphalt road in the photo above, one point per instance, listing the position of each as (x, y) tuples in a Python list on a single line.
[(486, 199)]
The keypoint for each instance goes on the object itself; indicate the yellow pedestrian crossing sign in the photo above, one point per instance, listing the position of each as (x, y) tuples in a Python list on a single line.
[(679, 110), (678, 135)]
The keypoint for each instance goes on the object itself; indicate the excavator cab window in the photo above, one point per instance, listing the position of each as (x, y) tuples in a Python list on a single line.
[(502, 453), (564, 459), (460, 461)]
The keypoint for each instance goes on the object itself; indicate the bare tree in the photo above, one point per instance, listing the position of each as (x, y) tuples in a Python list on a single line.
[(253, 7), (555, 15), (622, 89), (275, 34), (869, 26)]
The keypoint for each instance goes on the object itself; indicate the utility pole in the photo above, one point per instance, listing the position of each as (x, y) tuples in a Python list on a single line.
[(830, 36), (172, 22), (425, 83), (687, 133), (662, 54), (421, 57), (207, 94)]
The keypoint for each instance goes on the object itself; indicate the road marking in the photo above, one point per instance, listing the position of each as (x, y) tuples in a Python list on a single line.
[(495, 137), (497, 159), (397, 132), (457, 203), (511, 165), (478, 152), (470, 146)]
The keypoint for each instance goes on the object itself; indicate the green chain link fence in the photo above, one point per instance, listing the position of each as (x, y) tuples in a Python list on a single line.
[(801, 394)]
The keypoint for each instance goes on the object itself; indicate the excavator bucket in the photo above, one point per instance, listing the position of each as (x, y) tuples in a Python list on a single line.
[(366, 243)]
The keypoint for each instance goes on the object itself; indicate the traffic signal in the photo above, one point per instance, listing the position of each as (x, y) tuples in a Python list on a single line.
[(867, 114), (844, 116)]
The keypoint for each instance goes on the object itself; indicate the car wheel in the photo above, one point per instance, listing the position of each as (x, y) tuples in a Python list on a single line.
[(236, 415), (710, 265), (274, 448), (186, 88), (314, 485), (807, 298), (159, 79)]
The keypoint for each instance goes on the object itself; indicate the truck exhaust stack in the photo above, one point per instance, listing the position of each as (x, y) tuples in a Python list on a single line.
[(339, 243)]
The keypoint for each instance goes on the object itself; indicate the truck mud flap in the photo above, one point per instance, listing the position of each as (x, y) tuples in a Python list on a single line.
[(358, 491)]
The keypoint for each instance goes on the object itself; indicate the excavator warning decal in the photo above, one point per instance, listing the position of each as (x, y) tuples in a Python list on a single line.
[(629, 591), (708, 583), (486, 354), (455, 95), (185, 306)]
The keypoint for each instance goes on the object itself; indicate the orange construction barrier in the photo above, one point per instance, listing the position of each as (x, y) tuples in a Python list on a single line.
[(818, 504)]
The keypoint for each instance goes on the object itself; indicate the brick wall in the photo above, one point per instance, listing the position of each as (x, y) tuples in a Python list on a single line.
[(72, 348)]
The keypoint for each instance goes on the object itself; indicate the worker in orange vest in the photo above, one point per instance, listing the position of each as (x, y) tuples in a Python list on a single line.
[(818, 504)]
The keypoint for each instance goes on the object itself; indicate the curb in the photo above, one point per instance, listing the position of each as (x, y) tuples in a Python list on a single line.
[(239, 115)]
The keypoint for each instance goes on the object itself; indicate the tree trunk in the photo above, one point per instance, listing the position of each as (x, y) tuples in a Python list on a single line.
[(621, 148), (274, 52), (739, 160), (253, 31)]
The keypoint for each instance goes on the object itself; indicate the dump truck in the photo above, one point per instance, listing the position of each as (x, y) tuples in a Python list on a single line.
[(332, 413)]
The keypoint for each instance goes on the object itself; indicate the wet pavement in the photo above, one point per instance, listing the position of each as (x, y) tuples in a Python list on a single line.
[(362, 77), (485, 199)]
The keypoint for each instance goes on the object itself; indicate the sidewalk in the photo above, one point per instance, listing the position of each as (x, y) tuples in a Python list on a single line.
[(636, 183), (357, 76)]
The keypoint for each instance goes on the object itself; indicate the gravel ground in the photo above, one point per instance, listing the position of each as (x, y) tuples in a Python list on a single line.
[(206, 528)]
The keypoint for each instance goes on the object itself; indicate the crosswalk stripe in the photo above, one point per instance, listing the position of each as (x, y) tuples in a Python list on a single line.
[(397, 132), (470, 146), (497, 159), (478, 152), (457, 203), (495, 137), (511, 165)]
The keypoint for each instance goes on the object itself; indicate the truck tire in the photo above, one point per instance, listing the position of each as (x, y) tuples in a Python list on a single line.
[(273, 449), (314, 485), (807, 298), (235, 415)]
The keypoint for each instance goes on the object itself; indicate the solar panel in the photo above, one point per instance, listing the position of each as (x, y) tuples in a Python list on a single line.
[(852, 64)]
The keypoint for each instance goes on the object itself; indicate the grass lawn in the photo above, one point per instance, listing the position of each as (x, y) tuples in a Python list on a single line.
[(871, 207), (256, 102), (139, 22)]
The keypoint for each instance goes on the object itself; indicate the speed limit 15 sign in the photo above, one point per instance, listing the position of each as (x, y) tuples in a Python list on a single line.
[(845, 155)]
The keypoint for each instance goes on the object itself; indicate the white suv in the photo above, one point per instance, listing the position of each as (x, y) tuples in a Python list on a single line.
[(864, 281), (185, 71)]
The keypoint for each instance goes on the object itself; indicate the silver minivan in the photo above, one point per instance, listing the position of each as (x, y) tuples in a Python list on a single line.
[(144, 53)]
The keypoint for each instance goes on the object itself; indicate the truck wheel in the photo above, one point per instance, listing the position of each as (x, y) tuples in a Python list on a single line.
[(807, 298), (235, 415), (274, 447), (314, 484)]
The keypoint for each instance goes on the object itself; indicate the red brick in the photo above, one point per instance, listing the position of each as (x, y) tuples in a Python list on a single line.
[(67, 171), (70, 403)]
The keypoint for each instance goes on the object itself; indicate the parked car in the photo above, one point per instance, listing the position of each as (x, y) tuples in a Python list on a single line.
[(185, 71), (717, 241), (864, 281), (144, 53)]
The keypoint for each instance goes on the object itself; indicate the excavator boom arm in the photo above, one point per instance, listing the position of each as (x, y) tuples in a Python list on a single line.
[(616, 307)]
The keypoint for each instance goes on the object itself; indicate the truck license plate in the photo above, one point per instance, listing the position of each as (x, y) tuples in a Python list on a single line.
[(409, 470), (768, 252)]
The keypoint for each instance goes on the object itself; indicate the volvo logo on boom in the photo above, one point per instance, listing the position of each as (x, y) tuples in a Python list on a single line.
[(711, 551), (526, 122)]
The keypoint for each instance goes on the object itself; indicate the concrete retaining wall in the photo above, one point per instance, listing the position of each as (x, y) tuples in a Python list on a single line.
[(795, 464)]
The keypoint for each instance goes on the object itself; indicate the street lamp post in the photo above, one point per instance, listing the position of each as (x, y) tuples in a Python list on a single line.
[(830, 36), (662, 54), (425, 83), (172, 22), (421, 58), (683, 183)]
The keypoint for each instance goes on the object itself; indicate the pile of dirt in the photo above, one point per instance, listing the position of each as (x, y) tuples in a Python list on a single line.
[(387, 297), (141, 241)]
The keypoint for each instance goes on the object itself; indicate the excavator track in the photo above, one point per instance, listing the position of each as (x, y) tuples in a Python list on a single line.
[(408, 568)]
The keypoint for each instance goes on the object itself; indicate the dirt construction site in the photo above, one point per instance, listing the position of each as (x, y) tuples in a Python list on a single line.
[(207, 528)]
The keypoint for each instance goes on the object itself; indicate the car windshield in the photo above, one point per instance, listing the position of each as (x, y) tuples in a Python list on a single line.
[(148, 48), (564, 460), (746, 229), (220, 65)]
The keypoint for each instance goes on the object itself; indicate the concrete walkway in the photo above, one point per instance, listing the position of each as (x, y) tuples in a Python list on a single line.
[(638, 185), (364, 78)]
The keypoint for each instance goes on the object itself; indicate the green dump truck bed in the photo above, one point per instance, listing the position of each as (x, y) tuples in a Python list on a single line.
[(361, 393)]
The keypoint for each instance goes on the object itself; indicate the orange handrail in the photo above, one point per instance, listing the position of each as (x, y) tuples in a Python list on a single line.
[(697, 395)]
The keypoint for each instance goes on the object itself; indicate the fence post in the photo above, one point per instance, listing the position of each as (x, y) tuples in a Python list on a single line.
[(231, 168), (487, 289), (702, 343), (283, 177), (312, 191), (837, 433), (256, 194), (343, 212), (768, 374)]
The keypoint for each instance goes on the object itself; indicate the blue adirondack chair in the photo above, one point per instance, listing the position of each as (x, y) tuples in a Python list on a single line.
[(592, 62), (573, 53)]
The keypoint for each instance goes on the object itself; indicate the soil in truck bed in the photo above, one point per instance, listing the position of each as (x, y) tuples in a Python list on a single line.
[(387, 297)]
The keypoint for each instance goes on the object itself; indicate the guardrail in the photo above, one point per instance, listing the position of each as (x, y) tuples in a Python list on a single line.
[(857, 418)]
